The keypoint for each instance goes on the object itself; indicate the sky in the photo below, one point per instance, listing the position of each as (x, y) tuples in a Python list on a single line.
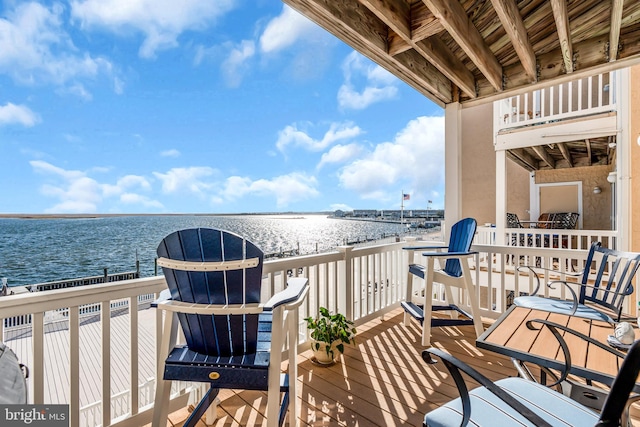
[(227, 106)]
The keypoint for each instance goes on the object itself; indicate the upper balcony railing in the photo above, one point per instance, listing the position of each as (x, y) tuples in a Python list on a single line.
[(69, 354), (586, 96)]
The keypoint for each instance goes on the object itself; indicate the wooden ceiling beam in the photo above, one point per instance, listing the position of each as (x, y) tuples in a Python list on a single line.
[(436, 52), (396, 14), (423, 26), (566, 153), (454, 19), (524, 158), (519, 162), (423, 23), (614, 32), (564, 35), (509, 16), (366, 33), (589, 160), (542, 153)]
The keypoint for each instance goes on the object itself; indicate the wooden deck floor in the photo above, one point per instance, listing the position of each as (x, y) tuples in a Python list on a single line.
[(382, 381)]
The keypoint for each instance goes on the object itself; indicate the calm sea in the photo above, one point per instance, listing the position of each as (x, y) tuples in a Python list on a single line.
[(45, 250)]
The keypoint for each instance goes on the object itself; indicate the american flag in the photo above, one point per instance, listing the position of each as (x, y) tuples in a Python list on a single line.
[(406, 197)]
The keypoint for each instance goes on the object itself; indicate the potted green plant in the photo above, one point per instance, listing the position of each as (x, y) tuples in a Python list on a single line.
[(329, 334)]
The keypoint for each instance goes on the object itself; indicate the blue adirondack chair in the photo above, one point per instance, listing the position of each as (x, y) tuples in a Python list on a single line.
[(604, 290), (518, 401), (232, 340), (455, 274)]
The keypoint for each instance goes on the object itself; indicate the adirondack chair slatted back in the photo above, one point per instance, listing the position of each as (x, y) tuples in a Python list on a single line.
[(215, 335), (460, 240), (613, 277)]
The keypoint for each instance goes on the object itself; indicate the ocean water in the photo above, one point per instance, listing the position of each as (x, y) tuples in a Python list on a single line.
[(44, 250)]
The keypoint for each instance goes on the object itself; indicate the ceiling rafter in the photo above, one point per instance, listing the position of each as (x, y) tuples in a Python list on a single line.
[(524, 159), (561, 17), (565, 153), (542, 153), (511, 20), (396, 14), (614, 33), (454, 19)]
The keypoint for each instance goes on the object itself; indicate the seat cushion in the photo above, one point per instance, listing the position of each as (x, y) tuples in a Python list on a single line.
[(560, 306), (488, 410)]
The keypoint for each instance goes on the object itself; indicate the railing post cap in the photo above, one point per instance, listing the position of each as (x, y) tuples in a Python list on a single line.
[(345, 248)]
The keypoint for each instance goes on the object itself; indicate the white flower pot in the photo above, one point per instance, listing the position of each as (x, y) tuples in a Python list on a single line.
[(320, 353)]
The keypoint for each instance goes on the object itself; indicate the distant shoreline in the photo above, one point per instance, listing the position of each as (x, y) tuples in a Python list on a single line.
[(101, 215)]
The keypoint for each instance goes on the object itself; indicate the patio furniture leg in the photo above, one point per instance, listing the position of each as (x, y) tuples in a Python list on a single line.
[(471, 294), (163, 388), (428, 302)]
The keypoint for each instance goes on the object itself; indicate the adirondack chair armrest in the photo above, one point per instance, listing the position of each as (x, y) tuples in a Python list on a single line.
[(458, 255), (456, 366), (422, 248), (164, 296), (292, 295)]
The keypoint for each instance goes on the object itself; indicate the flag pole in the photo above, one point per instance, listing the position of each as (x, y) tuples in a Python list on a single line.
[(402, 208)]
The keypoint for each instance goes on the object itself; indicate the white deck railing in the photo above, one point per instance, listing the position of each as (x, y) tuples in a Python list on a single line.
[(586, 96), (363, 283), (549, 238)]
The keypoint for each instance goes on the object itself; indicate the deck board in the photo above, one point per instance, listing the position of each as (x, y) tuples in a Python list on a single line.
[(381, 381)]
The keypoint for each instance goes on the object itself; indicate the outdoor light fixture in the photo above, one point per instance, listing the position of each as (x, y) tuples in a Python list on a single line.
[(597, 190), (611, 177), (638, 140)]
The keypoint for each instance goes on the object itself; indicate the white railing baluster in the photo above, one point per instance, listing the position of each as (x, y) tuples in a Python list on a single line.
[(134, 404), (105, 318), (74, 365), (580, 107), (590, 92), (37, 328), (600, 91)]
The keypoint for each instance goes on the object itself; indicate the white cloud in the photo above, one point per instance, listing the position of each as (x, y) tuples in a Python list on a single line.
[(291, 135), (235, 65), (379, 84), (77, 90), (414, 160), (77, 192), (186, 179), (286, 29), (170, 153), (17, 114), (339, 154), (36, 49), (341, 207), (137, 199), (160, 21), (286, 189)]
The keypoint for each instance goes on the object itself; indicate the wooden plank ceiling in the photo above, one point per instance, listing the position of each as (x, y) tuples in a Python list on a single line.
[(475, 51), (579, 153)]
